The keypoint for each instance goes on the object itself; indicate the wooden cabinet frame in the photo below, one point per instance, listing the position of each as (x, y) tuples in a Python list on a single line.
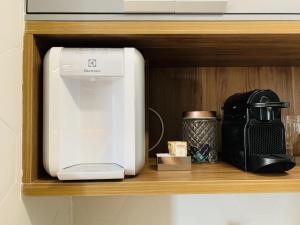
[(167, 46)]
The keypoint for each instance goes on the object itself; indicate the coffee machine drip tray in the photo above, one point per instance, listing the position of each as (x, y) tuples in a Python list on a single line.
[(271, 163), (92, 171)]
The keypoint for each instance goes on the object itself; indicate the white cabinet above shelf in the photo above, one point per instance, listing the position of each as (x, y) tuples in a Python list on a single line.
[(175, 6), (163, 6)]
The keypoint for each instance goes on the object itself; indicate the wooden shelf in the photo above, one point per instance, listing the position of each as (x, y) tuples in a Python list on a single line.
[(163, 27), (204, 178), (205, 61)]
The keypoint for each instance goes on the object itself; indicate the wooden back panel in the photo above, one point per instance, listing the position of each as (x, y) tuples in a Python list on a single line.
[(178, 89)]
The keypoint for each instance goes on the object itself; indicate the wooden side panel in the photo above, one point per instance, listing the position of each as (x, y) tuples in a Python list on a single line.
[(27, 70), (32, 115)]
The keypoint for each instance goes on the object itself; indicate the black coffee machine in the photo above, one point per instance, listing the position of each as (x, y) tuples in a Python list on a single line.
[(253, 136)]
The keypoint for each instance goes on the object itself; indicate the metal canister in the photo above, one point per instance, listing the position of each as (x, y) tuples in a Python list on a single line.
[(200, 133)]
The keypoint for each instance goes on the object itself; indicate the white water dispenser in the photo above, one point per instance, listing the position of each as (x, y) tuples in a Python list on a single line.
[(94, 113)]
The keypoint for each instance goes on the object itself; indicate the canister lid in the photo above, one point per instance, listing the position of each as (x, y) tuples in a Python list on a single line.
[(199, 115)]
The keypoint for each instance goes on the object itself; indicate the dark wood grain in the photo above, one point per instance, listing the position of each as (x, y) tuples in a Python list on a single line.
[(193, 50), (175, 90)]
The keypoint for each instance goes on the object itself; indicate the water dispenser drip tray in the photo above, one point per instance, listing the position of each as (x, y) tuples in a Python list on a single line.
[(92, 171)]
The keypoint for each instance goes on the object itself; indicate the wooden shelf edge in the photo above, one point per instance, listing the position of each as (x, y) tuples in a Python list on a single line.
[(214, 178), (163, 27), (159, 188)]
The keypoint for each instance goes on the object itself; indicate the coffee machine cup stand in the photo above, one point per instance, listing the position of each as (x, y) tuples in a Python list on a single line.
[(253, 136)]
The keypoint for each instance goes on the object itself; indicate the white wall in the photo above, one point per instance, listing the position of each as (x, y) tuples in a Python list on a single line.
[(244, 209), (14, 209)]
